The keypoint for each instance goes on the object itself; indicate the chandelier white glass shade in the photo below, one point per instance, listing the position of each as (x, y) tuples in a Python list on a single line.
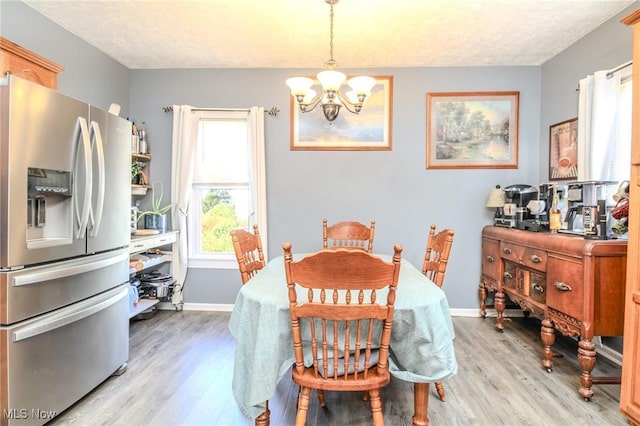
[(331, 98)]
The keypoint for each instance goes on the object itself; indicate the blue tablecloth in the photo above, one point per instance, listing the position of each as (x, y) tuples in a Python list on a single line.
[(421, 338)]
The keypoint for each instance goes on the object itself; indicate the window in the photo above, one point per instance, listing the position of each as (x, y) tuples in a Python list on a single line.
[(604, 126), (223, 194), (620, 166)]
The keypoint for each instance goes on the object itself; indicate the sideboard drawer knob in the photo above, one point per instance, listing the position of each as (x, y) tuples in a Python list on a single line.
[(562, 286), (508, 276), (506, 250), (538, 288), (536, 259), (490, 259)]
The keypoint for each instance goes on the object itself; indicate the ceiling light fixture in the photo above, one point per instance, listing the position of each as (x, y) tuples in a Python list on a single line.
[(331, 80)]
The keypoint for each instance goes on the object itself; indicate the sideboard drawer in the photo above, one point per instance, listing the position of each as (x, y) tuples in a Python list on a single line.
[(527, 256), (538, 287), (565, 287), (491, 259), (510, 277)]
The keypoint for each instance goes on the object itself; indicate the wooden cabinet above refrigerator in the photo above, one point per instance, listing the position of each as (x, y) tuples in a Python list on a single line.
[(27, 64)]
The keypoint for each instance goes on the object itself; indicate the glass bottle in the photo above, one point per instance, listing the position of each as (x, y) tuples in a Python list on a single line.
[(555, 217), (142, 136)]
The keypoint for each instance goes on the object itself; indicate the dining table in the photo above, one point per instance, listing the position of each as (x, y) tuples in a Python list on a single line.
[(421, 347)]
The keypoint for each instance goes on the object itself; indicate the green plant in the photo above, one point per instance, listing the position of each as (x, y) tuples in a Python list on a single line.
[(156, 202), (136, 170)]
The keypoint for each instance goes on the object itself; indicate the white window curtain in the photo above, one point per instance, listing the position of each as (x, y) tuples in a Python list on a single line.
[(184, 147), (597, 110), (183, 151), (258, 174)]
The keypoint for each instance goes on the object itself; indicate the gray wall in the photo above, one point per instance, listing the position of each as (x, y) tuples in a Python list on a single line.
[(303, 187), (88, 75), (604, 48), (394, 188)]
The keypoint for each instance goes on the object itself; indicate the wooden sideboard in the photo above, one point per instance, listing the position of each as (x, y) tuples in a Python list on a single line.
[(575, 285), (630, 389)]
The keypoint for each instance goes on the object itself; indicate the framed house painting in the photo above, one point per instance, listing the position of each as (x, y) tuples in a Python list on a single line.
[(368, 130), (563, 150), (472, 130)]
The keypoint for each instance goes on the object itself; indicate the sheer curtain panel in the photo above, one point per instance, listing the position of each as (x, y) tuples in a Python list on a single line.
[(597, 122), (185, 128)]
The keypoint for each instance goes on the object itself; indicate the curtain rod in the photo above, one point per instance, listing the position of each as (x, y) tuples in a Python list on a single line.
[(613, 71), (273, 112), (619, 68)]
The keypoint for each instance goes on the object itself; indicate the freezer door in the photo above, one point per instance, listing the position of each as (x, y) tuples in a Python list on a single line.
[(50, 362), (108, 225), (33, 291), (42, 148)]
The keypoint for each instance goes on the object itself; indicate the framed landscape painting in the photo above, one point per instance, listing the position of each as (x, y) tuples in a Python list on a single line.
[(563, 150), (368, 130), (472, 130)]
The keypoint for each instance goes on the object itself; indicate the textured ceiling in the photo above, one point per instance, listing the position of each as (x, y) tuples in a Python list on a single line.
[(147, 34)]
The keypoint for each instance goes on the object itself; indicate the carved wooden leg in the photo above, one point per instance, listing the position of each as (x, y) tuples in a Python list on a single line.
[(440, 390), (548, 337), (376, 407), (587, 360), (501, 304), (303, 406), (263, 419), (420, 404), (482, 291)]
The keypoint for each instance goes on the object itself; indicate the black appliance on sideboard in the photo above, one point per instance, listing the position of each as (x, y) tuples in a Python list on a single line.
[(539, 209), (589, 205), (515, 213), (586, 207)]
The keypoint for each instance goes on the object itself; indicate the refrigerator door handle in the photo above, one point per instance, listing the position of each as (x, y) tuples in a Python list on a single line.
[(79, 313), (82, 216), (96, 142), (64, 272)]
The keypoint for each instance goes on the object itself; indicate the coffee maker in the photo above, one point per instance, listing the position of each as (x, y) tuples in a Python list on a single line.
[(588, 212), (515, 213), (539, 208)]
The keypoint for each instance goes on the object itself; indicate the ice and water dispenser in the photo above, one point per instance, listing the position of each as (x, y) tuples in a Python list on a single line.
[(49, 207)]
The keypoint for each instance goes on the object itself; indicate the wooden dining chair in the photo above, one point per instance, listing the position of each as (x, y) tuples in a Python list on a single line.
[(348, 235), (339, 323), (434, 266), (248, 250)]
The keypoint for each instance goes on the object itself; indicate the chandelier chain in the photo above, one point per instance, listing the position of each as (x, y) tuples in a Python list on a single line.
[(331, 81), (331, 63)]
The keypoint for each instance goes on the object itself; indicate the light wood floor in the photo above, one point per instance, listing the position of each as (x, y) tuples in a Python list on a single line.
[(181, 365)]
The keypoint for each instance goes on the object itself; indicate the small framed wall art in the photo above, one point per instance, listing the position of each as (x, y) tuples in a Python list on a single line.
[(563, 150), (472, 130), (369, 130)]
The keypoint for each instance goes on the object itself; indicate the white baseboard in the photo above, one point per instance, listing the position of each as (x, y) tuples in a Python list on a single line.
[(491, 313), (601, 349), (209, 307), (205, 307), (472, 312), (607, 352)]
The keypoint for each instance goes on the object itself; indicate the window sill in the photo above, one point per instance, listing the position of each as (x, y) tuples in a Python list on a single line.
[(212, 264)]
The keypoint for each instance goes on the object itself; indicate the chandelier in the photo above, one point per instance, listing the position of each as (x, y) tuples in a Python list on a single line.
[(331, 80)]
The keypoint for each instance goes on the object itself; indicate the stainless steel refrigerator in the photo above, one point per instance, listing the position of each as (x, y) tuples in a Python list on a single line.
[(64, 236)]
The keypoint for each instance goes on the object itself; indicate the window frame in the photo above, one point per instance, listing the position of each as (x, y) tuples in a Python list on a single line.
[(256, 186), (623, 129)]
